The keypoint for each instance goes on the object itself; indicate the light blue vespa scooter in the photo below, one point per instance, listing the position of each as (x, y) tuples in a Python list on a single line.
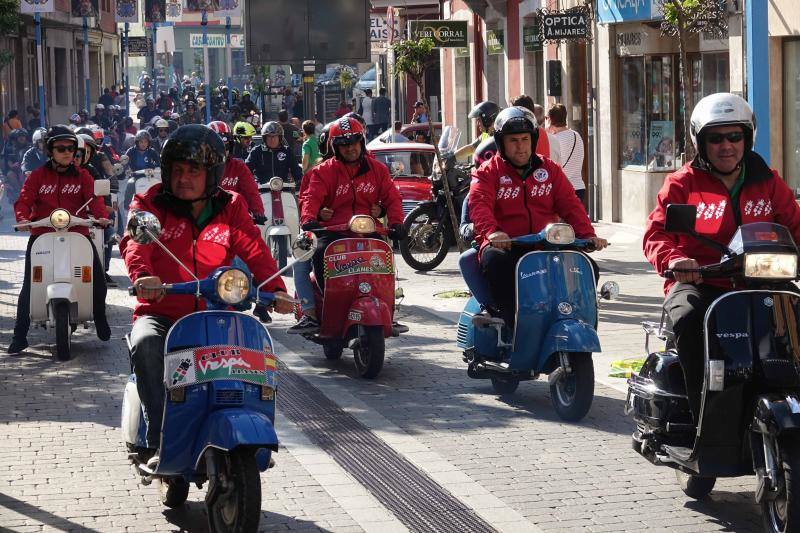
[(556, 324), (220, 386)]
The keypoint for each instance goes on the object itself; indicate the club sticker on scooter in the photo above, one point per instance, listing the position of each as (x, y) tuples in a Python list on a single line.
[(361, 262), (187, 367)]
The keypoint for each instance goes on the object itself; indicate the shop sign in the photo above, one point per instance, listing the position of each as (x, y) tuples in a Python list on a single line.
[(495, 42), (631, 43), (532, 38), (139, 47), (379, 29), (445, 33), (613, 11), (216, 40), (565, 25), (462, 52)]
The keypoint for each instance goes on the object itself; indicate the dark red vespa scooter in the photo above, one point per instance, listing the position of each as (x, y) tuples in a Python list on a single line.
[(358, 308)]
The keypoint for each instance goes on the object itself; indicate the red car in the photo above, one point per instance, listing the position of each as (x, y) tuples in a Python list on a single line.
[(408, 131), (410, 165)]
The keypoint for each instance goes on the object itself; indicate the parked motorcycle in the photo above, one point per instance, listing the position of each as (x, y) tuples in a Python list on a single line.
[(358, 307), (282, 218), (555, 328), (750, 407), (220, 380), (61, 277), (428, 225)]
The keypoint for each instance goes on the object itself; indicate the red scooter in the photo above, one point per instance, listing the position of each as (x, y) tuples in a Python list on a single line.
[(358, 308)]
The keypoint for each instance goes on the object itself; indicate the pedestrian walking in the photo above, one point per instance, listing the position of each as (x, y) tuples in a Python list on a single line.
[(381, 111), (571, 145)]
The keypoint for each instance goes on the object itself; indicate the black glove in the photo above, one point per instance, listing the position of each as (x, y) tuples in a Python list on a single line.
[(397, 232), (260, 219), (311, 225)]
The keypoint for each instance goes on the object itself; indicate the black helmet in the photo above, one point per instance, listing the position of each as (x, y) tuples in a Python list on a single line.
[(353, 114), (59, 132), (513, 120), (324, 136), (195, 143), (15, 134), (485, 111), (485, 151)]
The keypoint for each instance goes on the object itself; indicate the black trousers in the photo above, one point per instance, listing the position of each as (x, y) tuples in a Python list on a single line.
[(686, 306), (23, 321), (319, 256)]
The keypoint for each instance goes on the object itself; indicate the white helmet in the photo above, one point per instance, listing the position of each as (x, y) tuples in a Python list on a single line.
[(100, 107), (161, 123), (38, 135), (722, 109)]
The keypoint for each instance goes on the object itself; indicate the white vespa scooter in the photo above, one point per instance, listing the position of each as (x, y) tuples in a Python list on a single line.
[(61, 277), (139, 183), (282, 219)]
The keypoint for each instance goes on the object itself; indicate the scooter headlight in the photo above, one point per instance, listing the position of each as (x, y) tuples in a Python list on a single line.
[(559, 233), (362, 224), (276, 184), (233, 286), (771, 266), (59, 218)]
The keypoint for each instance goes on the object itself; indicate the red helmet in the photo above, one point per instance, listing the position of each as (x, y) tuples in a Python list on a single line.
[(346, 130), (222, 129)]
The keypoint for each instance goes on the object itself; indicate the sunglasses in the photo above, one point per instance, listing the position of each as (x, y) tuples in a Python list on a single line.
[(64, 149), (732, 137)]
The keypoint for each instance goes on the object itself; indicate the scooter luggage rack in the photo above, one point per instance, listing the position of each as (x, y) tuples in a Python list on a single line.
[(659, 329)]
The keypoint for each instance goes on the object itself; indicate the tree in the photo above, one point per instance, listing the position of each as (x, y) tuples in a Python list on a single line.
[(684, 17), (413, 59), (9, 24)]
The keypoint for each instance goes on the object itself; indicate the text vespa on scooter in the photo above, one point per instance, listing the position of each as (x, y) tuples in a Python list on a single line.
[(724, 399)]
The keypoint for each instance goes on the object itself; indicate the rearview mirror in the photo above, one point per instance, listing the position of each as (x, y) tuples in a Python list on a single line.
[(681, 218), (124, 159), (609, 290), (143, 227), (304, 246), (102, 187)]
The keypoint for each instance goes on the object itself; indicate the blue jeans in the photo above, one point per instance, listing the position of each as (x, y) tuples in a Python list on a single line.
[(303, 285), (471, 272)]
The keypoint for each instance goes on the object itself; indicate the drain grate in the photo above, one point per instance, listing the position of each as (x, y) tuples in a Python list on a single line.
[(413, 497)]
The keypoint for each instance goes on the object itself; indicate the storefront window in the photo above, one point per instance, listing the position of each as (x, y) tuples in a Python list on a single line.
[(632, 110), (463, 88), (661, 116), (791, 112)]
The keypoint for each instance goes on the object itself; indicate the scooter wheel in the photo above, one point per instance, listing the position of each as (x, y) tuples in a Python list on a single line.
[(694, 486), (239, 509), (63, 331), (572, 395), (333, 350), (370, 351), (173, 491), (783, 513)]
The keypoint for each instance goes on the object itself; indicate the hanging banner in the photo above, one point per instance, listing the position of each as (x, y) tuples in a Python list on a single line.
[(199, 5), (229, 8), (165, 40), (174, 10), (532, 38), (36, 6), (495, 42), (444, 33), (84, 8), (127, 11), (154, 10)]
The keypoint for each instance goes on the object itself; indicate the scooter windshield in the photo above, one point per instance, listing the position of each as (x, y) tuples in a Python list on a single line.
[(761, 236)]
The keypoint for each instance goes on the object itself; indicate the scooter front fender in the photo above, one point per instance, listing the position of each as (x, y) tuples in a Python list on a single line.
[(569, 336), (227, 429), (61, 291), (777, 414), (370, 311), (278, 230)]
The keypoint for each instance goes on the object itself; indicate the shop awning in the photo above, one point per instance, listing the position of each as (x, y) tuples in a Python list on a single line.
[(479, 6)]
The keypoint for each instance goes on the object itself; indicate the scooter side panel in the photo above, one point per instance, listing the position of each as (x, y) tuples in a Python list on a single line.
[(467, 333), (551, 286), (351, 266), (184, 420)]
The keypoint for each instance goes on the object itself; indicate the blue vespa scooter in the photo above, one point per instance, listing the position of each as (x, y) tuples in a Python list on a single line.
[(220, 385), (555, 331)]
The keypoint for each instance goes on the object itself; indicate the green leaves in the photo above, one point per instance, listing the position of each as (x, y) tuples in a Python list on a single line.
[(412, 58), (9, 16), (694, 16)]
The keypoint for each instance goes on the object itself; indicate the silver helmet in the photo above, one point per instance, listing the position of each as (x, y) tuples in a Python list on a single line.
[(722, 109)]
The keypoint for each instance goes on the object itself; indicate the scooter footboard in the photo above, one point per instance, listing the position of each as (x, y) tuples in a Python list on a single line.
[(568, 336), (230, 428), (777, 414)]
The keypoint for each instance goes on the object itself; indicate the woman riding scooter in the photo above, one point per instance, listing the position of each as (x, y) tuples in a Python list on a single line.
[(59, 183)]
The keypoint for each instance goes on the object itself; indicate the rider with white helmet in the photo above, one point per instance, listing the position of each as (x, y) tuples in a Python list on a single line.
[(731, 185), (35, 157)]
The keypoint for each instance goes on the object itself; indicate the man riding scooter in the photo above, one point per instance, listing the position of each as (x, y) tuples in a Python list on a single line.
[(202, 225), (348, 184), (518, 193), (274, 157), (35, 157), (59, 183), (730, 184)]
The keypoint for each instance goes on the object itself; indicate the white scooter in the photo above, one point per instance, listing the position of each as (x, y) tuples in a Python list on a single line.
[(139, 183), (62, 277), (283, 220)]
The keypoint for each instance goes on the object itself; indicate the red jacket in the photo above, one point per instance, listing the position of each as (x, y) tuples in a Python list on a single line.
[(45, 190), (330, 185), (500, 200), (764, 197), (238, 178), (230, 232)]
